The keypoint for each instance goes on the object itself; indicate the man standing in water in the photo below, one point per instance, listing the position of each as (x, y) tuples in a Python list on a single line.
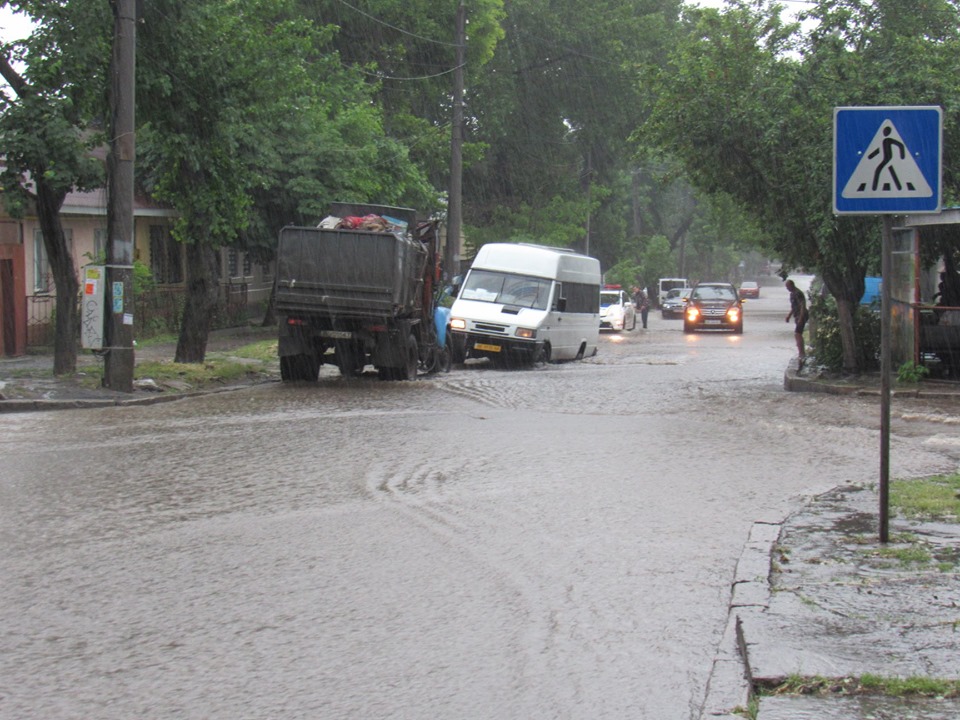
[(798, 311)]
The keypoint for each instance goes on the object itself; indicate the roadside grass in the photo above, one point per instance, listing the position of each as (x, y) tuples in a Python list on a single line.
[(864, 685), (217, 368), (936, 497)]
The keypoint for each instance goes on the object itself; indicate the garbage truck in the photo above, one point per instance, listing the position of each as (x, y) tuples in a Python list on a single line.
[(360, 289)]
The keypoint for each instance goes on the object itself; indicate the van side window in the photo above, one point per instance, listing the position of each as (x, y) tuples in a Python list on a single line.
[(580, 297)]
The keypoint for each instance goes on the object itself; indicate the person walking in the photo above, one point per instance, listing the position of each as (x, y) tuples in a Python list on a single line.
[(642, 303), (799, 313)]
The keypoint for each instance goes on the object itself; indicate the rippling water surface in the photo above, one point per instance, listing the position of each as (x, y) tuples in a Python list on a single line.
[(547, 543)]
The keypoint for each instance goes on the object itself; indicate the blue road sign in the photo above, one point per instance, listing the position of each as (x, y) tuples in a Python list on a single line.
[(887, 160)]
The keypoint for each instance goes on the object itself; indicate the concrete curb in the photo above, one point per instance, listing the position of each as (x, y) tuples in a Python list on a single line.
[(19, 406), (730, 687)]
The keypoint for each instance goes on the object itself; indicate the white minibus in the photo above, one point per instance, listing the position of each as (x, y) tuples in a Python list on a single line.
[(523, 303)]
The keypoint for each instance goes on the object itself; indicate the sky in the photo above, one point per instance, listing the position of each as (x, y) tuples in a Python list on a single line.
[(13, 26)]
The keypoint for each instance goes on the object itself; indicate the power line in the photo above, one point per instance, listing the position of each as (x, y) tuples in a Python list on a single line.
[(394, 27)]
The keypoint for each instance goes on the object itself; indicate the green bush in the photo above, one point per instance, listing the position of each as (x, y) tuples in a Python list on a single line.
[(825, 339)]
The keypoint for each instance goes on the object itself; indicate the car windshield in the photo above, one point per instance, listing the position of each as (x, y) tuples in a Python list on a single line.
[(609, 298), (714, 292), (498, 287)]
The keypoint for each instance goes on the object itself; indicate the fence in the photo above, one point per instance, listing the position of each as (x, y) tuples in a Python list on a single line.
[(155, 312)]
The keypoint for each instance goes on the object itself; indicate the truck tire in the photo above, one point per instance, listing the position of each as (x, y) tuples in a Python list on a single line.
[(409, 370)]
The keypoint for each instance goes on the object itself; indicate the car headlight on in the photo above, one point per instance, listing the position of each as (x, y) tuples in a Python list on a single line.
[(458, 324), (733, 314), (526, 333), (692, 313)]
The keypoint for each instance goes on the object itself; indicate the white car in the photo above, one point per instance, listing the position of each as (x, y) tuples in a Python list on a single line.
[(617, 311)]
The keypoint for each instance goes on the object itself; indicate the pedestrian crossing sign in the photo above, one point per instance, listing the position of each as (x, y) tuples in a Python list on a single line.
[(887, 160)]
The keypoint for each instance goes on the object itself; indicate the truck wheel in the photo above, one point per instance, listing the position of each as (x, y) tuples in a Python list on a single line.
[(446, 356), (409, 369)]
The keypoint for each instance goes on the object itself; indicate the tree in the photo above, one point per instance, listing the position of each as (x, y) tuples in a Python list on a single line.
[(761, 130), (553, 111), (47, 136), (251, 122)]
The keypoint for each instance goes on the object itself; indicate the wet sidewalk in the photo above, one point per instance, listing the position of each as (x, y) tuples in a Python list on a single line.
[(819, 602), (27, 382)]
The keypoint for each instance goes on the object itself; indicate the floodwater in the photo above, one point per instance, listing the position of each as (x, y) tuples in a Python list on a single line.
[(485, 544)]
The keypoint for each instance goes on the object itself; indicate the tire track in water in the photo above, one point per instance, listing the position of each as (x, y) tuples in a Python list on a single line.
[(431, 498)]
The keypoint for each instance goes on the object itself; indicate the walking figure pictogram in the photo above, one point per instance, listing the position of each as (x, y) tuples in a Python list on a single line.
[(888, 144)]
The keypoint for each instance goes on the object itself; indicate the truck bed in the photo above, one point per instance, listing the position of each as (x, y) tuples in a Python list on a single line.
[(349, 274)]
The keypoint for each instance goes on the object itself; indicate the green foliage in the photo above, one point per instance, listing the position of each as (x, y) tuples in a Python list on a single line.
[(827, 346), (911, 372), (760, 127)]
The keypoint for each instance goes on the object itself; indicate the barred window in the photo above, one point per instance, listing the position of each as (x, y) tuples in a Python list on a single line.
[(42, 282)]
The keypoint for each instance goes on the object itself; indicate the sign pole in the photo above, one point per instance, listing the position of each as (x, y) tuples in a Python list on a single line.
[(886, 267)]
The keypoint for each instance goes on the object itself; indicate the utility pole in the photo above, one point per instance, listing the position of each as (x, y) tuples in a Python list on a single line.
[(451, 255), (118, 368)]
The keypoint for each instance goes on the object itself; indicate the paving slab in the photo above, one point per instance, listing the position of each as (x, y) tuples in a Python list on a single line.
[(841, 605)]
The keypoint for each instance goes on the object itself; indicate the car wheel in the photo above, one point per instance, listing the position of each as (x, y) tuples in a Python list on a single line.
[(543, 353), (739, 328), (687, 327)]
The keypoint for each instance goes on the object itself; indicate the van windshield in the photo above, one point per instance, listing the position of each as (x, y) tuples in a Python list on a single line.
[(497, 287)]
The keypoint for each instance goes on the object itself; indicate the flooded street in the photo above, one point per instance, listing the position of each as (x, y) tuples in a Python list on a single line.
[(556, 542)]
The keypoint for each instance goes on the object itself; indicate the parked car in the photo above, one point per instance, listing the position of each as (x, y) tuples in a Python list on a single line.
[(713, 306), (672, 306), (749, 289), (617, 311)]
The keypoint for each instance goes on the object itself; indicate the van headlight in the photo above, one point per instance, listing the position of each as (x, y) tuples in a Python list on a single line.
[(526, 333), (458, 324)]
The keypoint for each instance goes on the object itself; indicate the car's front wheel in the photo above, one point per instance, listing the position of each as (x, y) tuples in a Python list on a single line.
[(688, 328)]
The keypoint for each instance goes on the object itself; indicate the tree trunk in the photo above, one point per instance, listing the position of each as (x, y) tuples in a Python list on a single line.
[(270, 315), (201, 302), (67, 321), (848, 339)]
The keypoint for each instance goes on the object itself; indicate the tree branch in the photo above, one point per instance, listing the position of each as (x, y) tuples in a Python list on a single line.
[(14, 78)]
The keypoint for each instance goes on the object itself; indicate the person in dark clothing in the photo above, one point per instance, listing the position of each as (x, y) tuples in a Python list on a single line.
[(642, 303), (798, 311)]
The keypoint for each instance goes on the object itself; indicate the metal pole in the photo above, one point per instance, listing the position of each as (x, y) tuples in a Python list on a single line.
[(118, 368), (451, 254), (886, 264)]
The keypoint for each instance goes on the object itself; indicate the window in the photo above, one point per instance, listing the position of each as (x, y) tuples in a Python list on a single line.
[(100, 245), (41, 264), (581, 297), (238, 264), (166, 259)]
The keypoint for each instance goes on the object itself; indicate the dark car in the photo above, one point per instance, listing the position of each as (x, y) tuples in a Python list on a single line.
[(749, 289), (672, 306), (713, 306)]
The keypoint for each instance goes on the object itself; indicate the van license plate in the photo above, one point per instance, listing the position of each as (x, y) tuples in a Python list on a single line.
[(486, 348)]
